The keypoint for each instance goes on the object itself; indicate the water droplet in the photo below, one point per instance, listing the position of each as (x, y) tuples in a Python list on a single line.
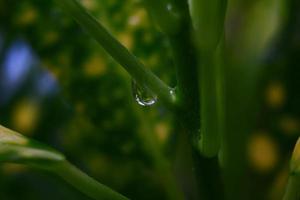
[(143, 95)]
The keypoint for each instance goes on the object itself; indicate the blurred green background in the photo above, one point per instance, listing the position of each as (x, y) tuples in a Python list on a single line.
[(58, 86)]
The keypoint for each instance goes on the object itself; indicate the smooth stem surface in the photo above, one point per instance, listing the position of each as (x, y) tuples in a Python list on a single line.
[(132, 65), (293, 188), (86, 184), (211, 93), (205, 171), (188, 114)]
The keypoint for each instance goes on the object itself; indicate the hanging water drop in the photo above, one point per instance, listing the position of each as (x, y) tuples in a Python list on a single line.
[(143, 95)]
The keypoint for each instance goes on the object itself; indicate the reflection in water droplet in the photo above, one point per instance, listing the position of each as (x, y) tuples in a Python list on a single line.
[(173, 94), (143, 95)]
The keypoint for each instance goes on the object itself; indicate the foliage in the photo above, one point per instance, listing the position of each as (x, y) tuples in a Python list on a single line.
[(91, 117)]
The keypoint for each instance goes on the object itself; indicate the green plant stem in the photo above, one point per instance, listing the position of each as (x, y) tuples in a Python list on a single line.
[(132, 65), (86, 184), (211, 94), (187, 114), (199, 176), (205, 171), (16, 148), (208, 20), (293, 188)]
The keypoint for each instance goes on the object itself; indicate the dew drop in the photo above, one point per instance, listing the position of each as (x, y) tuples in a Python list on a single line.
[(143, 95)]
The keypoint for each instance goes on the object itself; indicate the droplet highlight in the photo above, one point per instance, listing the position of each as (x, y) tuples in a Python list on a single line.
[(143, 95)]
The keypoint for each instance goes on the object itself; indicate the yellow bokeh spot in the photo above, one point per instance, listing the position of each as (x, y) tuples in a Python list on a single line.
[(89, 4), (162, 131), (95, 66), (263, 152), (27, 17), (25, 116), (137, 18), (275, 95), (126, 39)]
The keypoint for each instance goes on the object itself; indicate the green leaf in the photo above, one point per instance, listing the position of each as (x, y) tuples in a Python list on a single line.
[(18, 149), (295, 161), (292, 189)]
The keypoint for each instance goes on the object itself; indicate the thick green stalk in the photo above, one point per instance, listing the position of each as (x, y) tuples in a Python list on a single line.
[(190, 167), (201, 174), (188, 98), (211, 98), (86, 184), (208, 21), (132, 65), (205, 171)]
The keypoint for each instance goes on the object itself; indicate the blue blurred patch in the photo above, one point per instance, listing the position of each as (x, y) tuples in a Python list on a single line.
[(21, 68)]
